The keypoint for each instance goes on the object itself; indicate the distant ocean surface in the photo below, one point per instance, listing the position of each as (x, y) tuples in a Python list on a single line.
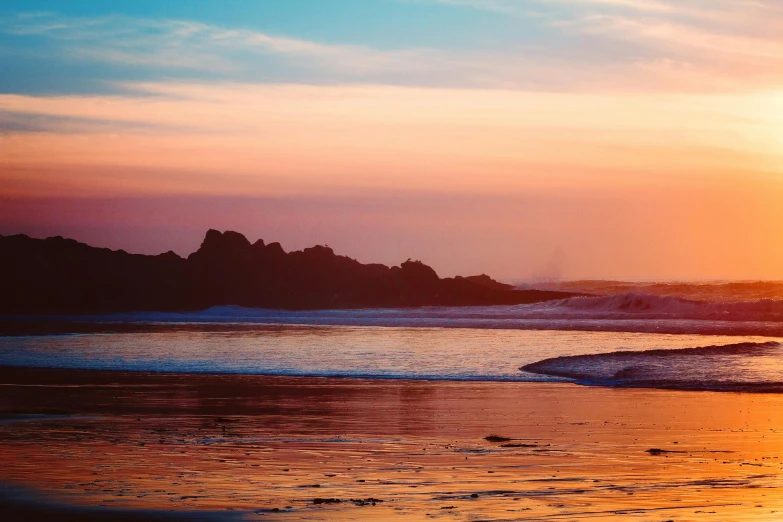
[(711, 336)]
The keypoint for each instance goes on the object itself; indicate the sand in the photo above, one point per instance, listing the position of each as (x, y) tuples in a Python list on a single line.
[(89, 444)]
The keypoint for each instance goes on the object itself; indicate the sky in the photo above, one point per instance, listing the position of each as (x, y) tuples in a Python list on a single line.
[(526, 139)]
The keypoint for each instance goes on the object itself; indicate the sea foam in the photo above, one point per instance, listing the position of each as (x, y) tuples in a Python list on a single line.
[(629, 312), (748, 366)]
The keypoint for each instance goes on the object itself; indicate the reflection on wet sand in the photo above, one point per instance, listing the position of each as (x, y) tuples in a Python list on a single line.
[(284, 448)]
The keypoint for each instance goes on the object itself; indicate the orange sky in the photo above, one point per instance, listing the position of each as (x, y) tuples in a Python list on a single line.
[(666, 172)]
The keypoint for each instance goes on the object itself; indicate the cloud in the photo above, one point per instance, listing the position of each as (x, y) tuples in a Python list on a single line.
[(666, 47), (251, 138), (187, 44), (683, 39), (735, 42), (694, 9)]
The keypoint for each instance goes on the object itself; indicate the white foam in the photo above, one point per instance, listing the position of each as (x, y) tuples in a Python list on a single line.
[(624, 312), (747, 366)]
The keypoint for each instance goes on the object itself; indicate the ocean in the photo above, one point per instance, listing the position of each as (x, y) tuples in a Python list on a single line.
[(712, 336)]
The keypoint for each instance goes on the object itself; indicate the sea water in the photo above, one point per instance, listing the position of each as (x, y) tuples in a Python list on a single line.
[(620, 340)]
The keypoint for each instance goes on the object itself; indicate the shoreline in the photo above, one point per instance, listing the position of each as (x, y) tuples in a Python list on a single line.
[(73, 375)]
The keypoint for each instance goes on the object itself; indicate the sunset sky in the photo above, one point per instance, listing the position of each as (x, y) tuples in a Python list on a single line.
[(524, 139)]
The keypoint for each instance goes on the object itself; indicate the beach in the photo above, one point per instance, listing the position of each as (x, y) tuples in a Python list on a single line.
[(130, 445), (380, 260)]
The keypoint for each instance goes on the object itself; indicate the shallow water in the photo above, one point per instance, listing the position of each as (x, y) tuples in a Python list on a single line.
[(347, 351)]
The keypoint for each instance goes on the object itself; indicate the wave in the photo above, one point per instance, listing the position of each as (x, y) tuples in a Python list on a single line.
[(748, 367), (656, 306), (628, 312), (711, 291)]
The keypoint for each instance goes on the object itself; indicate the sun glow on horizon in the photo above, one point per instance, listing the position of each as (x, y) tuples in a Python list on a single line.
[(649, 160)]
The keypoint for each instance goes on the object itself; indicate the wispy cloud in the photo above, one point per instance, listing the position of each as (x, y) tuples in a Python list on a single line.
[(682, 39), (695, 9), (242, 54), (187, 44), (694, 46), (738, 39)]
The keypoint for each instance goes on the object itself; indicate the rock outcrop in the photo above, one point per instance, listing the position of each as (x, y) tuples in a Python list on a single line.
[(57, 275)]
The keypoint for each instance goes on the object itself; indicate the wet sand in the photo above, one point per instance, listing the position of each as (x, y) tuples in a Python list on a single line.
[(113, 445)]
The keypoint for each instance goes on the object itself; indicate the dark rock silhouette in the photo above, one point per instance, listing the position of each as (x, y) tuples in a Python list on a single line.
[(487, 281), (57, 275)]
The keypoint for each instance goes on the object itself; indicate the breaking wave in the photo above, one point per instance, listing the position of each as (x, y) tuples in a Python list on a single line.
[(747, 367), (656, 306), (628, 312), (711, 291)]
